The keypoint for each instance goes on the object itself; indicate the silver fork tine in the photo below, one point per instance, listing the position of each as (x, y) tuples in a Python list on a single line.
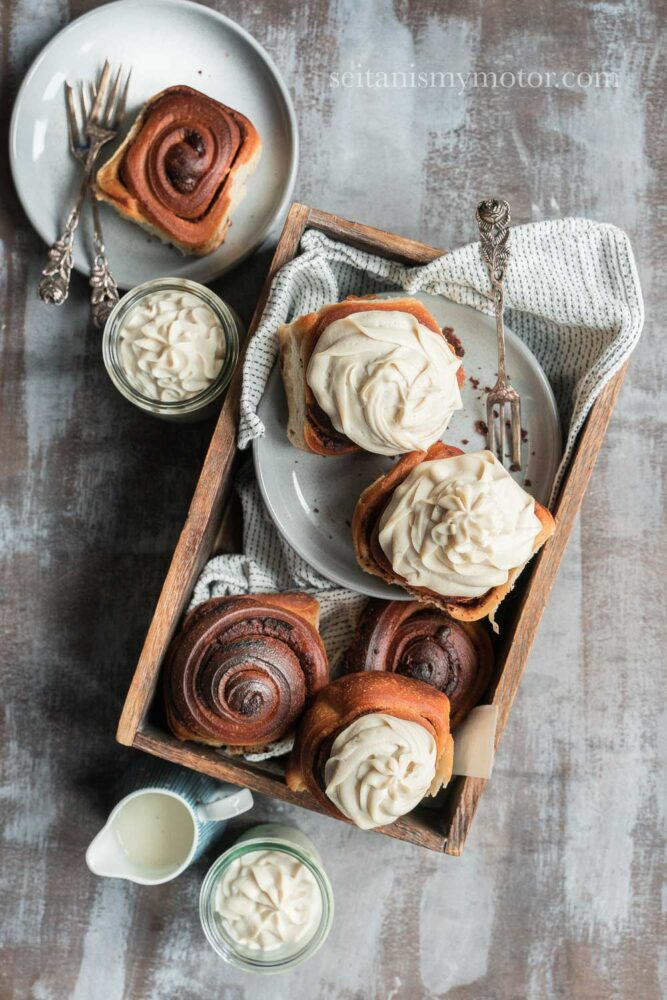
[(101, 92), (111, 100), (502, 432), (82, 103), (120, 110), (516, 431), (491, 425), (72, 124)]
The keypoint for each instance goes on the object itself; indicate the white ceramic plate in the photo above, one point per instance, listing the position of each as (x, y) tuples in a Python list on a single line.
[(166, 42), (311, 499)]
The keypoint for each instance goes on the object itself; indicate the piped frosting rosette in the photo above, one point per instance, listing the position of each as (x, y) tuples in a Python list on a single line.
[(267, 900), (458, 526), (371, 746), (385, 380), (380, 768)]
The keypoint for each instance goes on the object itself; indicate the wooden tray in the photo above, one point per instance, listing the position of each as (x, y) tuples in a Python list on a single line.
[(142, 723)]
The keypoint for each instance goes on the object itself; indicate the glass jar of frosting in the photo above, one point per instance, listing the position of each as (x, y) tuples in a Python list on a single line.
[(170, 347), (266, 905)]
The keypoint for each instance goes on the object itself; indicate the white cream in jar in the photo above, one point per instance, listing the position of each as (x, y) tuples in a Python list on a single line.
[(171, 345), (268, 900)]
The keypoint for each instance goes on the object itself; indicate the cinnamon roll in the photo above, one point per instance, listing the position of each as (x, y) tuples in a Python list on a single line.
[(372, 746), (453, 529), (405, 637), (182, 168), (369, 374), (242, 669)]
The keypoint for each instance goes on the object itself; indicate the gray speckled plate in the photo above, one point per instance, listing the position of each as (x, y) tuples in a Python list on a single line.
[(311, 499), (166, 42)]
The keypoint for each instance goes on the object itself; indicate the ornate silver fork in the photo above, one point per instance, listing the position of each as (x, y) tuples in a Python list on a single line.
[(100, 126), (493, 219), (103, 287)]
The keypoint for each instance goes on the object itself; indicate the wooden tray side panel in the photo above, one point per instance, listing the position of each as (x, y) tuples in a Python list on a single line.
[(376, 241)]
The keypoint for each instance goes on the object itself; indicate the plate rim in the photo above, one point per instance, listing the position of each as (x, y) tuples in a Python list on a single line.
[(331, 575), (214, 271)]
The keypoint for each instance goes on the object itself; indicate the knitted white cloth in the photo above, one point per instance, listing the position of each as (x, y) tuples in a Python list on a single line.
[(572, 295)]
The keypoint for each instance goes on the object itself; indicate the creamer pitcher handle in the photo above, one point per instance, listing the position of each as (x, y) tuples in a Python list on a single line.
[(226, 807)]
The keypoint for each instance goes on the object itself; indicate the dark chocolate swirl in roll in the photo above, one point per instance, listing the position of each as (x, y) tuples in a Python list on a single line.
[(177, 163), (424, 643), (242, 669)]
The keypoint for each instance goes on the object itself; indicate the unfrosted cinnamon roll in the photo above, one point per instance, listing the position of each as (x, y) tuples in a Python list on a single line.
[(369, 374), (242, 669), (405, 637), (372, 746), (182, 168)]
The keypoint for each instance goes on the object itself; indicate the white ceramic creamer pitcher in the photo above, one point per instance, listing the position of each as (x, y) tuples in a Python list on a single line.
[(165, 822)]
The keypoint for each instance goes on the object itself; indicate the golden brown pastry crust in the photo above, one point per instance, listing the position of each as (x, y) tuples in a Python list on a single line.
[(196, 236), (365, 525), (348, 698), (308, 426), (242, 669)]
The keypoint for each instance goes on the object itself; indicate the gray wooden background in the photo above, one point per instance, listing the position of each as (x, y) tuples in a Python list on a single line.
[(558, 893)]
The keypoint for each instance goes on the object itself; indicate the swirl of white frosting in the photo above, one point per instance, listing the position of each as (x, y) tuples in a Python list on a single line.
[(268, 900), (171, 345), (385, 380), (458, 525), (379, 768)]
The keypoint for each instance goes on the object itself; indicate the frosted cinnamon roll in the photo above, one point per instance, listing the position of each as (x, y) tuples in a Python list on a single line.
[(182, 168), (372, 746), (458, 526), (369, 374), (454, 529)]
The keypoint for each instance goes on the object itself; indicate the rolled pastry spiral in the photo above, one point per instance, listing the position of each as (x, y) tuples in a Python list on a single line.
[(348, 701), (405, 637), (177, 164), (242, 669)]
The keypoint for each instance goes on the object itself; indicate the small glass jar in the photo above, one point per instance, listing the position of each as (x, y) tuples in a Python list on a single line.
[(266, 837), (199, 406)]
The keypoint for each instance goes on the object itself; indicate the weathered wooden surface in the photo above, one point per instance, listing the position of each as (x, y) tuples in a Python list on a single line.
[(558, 894)]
